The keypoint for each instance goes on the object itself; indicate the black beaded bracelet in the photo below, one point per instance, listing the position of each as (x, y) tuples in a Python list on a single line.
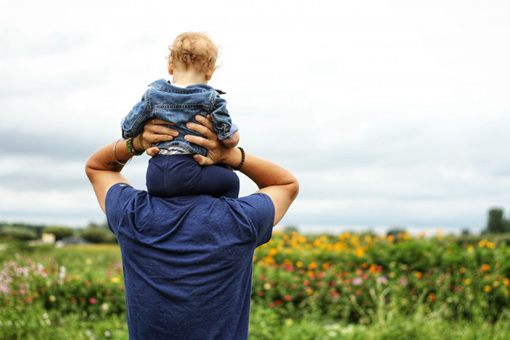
[(243, 157)]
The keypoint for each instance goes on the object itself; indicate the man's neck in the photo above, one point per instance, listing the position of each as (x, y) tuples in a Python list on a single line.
[(188, 78)]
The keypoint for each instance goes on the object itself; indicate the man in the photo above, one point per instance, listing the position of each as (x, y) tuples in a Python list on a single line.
[(187, 260)]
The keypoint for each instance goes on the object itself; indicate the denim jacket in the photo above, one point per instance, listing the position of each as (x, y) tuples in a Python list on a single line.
[(179, 105)]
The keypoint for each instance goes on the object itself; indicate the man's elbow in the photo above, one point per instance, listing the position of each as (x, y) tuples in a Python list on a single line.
[(89, 169), (294, 188)]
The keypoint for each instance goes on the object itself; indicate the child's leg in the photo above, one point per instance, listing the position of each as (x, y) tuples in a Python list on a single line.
[(179, 175), (218, 180), (172, 175)]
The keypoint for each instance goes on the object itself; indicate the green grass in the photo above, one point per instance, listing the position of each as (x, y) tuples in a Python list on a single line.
[(100, 263)]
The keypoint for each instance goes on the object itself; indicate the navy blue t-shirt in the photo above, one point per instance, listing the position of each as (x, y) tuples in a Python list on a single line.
[(187, 261)]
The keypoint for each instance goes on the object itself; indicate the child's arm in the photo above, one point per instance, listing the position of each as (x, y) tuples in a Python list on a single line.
[(222, 124), (132, 124)]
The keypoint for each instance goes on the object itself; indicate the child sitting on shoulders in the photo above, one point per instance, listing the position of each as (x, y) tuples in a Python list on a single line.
[(174, 172)]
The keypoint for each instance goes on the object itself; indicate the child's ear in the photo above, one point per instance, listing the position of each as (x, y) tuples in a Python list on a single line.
[(170, 68), (209, 73)]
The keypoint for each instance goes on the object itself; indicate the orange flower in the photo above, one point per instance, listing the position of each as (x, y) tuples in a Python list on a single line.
[(485, 267)]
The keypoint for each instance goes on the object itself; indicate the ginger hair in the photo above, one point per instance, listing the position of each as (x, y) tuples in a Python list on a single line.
[(193, 49)]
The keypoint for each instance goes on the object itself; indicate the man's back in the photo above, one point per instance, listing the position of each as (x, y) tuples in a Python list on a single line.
[(187, 261)]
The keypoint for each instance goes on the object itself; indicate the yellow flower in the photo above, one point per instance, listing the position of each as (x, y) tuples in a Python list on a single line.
[(309, 291), (267, 286), (299, 264), (273, 251), (359, 252), (467, 281), (487, 288), (115, 279), (506, 282)]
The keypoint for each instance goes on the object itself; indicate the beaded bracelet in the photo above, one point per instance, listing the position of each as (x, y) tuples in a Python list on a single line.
[(131, 148), (243, 157)]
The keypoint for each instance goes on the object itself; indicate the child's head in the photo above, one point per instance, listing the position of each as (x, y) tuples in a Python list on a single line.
[(193, 52)]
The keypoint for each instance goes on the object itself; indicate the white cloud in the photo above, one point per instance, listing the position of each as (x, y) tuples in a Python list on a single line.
[(389, 112)]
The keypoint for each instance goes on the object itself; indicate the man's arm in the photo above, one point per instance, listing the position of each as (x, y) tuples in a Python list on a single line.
[(104, 166), (279, 184)]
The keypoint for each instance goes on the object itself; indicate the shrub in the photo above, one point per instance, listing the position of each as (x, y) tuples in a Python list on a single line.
[(95, 234), (59, 232), (18, 233)]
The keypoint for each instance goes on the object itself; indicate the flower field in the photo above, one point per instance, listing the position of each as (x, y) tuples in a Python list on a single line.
[(308, 287)]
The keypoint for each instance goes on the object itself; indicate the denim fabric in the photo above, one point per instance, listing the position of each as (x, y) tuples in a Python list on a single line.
[(180, 175), (180, 106)]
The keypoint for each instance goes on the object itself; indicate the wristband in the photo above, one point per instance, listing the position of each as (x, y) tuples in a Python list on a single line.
[(243, 157), (131, 149)]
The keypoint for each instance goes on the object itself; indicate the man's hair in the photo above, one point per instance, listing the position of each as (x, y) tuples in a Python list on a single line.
[(194, 49)]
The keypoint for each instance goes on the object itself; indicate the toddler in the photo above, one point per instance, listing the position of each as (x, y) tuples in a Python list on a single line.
[(174, 172)]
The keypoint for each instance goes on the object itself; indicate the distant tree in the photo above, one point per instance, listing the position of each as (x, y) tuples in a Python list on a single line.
[(465, 232), (59, 232), (98, 233), (495, 221), (395, 231), (18, 233), (290, 229)]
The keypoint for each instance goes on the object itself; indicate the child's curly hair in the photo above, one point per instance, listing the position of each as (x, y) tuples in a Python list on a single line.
[(194, 49)]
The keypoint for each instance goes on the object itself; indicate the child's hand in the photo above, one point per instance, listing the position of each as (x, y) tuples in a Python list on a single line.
[(155, 131)]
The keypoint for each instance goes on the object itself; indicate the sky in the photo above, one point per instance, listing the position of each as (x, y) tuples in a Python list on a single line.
[(390, 113)]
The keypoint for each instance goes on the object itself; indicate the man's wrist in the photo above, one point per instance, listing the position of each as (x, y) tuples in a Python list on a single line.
[(234, 157), (130, 144)]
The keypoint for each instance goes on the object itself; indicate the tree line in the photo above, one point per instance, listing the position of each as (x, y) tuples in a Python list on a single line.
[(99, 233), (93, 233)]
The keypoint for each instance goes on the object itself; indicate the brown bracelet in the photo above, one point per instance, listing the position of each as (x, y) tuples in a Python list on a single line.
[(243, 157)]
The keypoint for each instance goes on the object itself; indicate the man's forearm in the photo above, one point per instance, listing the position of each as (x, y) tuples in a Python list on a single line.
[(111, 157), (264, 173)]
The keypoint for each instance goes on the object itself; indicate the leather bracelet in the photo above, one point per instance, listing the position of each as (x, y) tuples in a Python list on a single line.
[(115, 153), (243, 157)]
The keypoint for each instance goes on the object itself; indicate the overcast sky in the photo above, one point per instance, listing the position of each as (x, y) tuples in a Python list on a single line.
[(389, 112)]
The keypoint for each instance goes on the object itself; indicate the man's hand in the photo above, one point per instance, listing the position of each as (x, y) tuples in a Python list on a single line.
[(155, 131), (216, 151)]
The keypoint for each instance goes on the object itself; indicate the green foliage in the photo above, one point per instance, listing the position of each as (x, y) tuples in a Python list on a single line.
[(98, 234), (496, 222), (59, 232), (18, 233), (349, 286)]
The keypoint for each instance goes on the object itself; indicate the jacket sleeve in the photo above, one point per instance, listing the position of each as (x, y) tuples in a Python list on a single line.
[(222, 122), (132, 124)]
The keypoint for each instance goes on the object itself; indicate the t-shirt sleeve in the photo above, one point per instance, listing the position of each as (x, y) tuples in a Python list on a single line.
[(117, 198), (259, 209)]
